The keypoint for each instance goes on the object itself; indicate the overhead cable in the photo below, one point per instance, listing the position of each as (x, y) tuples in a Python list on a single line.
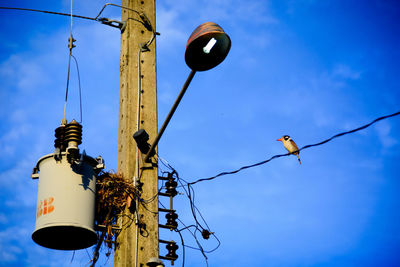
[(113, 23), (304, 147), (48, 12)]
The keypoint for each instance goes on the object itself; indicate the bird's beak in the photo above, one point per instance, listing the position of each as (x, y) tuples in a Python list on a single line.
[(280, 139)]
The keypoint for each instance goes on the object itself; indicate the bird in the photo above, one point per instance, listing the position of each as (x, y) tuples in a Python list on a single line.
[(290, 145)]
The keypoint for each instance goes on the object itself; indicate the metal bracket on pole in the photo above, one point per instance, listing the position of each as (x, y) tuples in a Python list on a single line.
[(113, 23)]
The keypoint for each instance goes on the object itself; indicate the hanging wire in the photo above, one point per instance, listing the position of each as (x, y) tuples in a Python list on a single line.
[(71, 16), (87, 252), (80, 90), (198, 227), (193, 208), (66, 90), (70, 46), (110, 4), (304, 147), (73, 256), (183, 248), (187, 228)]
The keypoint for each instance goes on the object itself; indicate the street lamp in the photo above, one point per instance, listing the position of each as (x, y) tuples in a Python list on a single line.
[(207, 47)]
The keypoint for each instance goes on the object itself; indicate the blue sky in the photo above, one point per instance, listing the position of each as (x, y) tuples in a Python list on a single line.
[(306, 68)]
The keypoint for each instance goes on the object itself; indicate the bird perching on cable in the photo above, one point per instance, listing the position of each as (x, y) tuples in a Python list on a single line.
[(290, 146)]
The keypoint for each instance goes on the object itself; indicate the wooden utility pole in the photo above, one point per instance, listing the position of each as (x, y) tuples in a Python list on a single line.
[(138, 240)]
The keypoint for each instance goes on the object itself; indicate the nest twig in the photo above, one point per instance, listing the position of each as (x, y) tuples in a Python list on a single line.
[(114, 194)]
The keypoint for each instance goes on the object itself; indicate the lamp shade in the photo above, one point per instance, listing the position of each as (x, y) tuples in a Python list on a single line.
[(207, 47)]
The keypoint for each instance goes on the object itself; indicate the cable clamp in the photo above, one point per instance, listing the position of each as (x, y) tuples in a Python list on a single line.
[(113, 23), (71, 41)]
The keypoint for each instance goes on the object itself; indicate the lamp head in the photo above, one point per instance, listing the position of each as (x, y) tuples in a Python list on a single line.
[(207, 47), (155, 262)]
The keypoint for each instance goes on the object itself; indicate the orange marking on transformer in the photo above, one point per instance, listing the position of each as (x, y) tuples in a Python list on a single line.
[(45, 207)]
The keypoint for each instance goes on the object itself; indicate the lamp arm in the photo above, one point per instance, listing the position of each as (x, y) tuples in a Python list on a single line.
[(170, 114)]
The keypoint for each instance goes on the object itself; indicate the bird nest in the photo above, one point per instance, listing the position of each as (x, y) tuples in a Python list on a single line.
[(113, 195)]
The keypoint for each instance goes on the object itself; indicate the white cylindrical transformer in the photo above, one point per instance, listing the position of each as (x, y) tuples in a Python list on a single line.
[(66, 202)]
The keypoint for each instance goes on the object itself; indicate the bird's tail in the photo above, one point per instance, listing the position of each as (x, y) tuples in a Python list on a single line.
[(298, 158)]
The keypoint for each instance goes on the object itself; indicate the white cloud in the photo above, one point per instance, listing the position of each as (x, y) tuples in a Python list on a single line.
[(27, 74), (3, 219), (18, 129), (383, 130), (10, 254), (323, 90), (9, 138), (292, 5), (323, 118), (170, 29), (345, 72), (17, 180), (9, 238), (257, 11)]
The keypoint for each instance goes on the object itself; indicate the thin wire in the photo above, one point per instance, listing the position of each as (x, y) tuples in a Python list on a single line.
[(219, 244), (195, 237), (201, 216), (137, 152), (80, 90), (187, 227), (66, 90), (73, 256), (183, 248), (110, 4), (200, 248), (71, 16), (287, 154), (188, 194), (198, 226), (144, 19), (88, 254), (192, 206), (139, 96), (48, 12), (70, 46), (151, 199), (351, 131)]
